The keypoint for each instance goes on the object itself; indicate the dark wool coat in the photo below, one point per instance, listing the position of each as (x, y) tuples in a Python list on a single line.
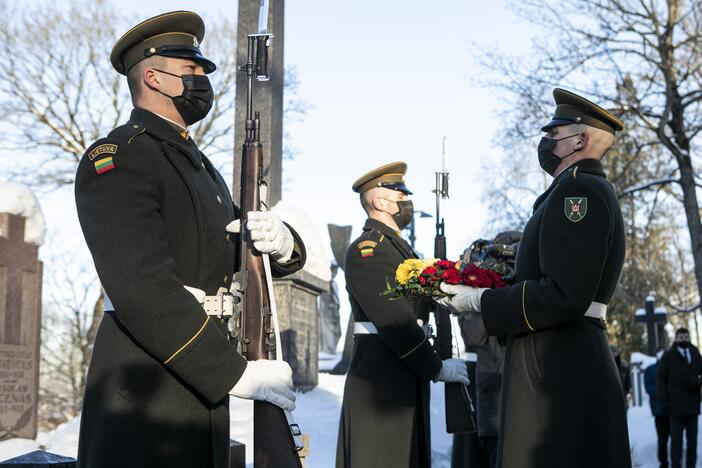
[(488, 373), (657, 406), (678, 382), (562, 402), (154, 218), (385, 411)]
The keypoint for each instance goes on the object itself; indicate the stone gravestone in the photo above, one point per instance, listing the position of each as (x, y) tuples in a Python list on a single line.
[(40, 459), (20, 311), (297, 298), (297, 302)]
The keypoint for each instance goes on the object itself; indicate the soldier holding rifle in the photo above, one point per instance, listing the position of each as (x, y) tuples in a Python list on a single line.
[(153, 210), (385, 411)]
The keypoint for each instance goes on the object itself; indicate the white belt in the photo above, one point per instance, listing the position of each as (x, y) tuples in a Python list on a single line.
[(220, 305), (597, 310), (367, 328)]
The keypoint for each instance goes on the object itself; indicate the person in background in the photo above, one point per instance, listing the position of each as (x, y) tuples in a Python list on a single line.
[(624, 373), (658, 410), (679, 378)]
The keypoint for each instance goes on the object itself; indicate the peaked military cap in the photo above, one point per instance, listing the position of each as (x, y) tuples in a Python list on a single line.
[(175, 34), (391, 176), (574, 109)]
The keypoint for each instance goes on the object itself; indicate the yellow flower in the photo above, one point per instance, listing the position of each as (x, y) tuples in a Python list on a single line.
[(409, 270)]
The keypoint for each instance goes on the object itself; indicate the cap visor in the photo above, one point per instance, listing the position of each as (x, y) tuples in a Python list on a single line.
[(399, 187), (556, 123)]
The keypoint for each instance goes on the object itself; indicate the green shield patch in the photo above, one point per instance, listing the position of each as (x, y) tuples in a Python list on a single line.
[(575, 208)]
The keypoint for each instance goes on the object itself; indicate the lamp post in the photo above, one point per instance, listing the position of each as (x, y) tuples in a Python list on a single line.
[(410, 228)]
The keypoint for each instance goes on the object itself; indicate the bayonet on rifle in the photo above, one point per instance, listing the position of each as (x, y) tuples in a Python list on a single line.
[(275, 434)]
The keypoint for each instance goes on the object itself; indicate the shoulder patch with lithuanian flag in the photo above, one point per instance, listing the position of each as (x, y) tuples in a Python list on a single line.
[(367, 248), (102, 159)]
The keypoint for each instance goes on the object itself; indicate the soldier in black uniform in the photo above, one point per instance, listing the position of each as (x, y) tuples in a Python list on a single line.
[(154, 210), (385, 412), (562, 402)]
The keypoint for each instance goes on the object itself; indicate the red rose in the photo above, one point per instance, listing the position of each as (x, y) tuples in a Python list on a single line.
[(445, 264), (451, 276), (430, 271)]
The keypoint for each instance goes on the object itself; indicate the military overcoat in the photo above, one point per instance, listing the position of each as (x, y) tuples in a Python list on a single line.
[(385, 410), (562, 403), (153, 210)]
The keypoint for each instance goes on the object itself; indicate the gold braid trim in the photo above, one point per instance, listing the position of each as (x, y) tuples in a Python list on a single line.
[(189, 341), (414, 349), (524, 308)]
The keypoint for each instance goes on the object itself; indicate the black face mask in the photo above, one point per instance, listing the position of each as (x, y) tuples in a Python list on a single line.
[(197, 98), (684, 344), (403, 218), (547, 160)]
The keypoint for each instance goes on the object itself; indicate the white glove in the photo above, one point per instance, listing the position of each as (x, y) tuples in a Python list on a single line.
[(268, 233), (465, 298), (453, 370), (266, 380)]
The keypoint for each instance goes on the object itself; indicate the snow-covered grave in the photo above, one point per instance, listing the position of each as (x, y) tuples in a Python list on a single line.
[(18, 199)]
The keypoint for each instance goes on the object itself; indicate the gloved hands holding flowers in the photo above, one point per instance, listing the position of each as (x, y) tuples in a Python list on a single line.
[(455, 285)]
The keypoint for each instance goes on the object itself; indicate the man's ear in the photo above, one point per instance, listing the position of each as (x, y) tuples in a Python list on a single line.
[(583, 140), (378, 204), (150, 79)]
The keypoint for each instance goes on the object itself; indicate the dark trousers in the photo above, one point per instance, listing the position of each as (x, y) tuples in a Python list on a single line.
[(663, 431), (490, 446), (678, 424)]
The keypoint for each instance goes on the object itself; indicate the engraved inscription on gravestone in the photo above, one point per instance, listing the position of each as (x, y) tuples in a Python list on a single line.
[(20, 310)]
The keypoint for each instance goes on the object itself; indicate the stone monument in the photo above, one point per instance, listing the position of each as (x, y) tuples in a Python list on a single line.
[(21, 234), (297, 299)]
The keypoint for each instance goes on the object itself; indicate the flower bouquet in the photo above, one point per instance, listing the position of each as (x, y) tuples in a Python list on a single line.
[(420, 278)]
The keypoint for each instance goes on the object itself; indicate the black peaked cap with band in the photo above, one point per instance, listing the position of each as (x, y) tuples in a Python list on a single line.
[(574, 109), (176, 34), (390, 176)]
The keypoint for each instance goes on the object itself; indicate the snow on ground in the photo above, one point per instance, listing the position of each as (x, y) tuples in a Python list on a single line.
[(318, 413)]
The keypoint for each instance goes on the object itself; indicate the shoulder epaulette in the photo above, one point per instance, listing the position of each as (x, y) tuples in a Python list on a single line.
[(127, 132)]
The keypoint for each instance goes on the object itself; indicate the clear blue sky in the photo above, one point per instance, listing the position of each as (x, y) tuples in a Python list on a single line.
[(388, 79)]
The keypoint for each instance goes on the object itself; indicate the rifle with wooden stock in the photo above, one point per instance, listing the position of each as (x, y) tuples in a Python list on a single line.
[(276, 436)]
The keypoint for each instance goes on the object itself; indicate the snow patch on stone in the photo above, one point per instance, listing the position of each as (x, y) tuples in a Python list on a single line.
[(18, 199), (318, 259)]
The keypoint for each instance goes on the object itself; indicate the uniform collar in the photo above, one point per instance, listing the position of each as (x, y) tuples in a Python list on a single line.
[(584, 166), (183, 131), (161, 129), (374, 224), (392, 235)]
